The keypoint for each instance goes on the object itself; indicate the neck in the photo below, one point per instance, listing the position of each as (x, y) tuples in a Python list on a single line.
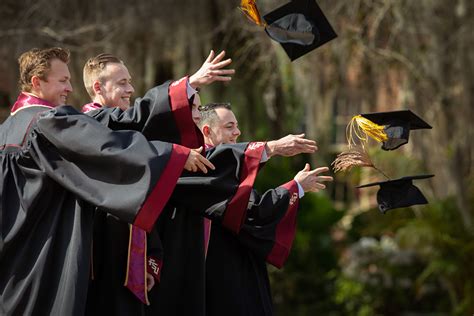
[(32, 93), (28, 99), (208, 141), (97, 99)]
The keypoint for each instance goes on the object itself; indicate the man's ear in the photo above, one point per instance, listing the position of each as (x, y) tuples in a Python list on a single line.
[(96, 87), (206, 130), (35, 82)]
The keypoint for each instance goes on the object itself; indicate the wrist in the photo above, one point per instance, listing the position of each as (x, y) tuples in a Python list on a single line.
[(301, 190), (270, 148), (193, 82)]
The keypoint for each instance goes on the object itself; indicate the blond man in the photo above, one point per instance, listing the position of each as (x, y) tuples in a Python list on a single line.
[(165, 113)]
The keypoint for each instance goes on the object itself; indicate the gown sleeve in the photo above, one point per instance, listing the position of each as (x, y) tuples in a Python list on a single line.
[(270, 226), (223, 194), (117, 171)]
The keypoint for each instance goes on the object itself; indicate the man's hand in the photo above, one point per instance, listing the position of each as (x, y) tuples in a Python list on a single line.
[(197, 162), (290, 145), (212, 71), (309, 179), (150, 281)]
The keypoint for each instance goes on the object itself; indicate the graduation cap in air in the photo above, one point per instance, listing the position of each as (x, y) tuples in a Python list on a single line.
[(299, 26), (398, 193), (392, 129)]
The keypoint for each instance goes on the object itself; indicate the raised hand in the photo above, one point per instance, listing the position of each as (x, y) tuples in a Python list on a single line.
[(310, 180), (196, 161), (212, 71), (291, 145)]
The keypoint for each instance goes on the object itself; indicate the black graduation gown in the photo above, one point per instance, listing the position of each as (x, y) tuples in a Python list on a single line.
[(237, 263), (56, 168), (182, 287), (164, 113)]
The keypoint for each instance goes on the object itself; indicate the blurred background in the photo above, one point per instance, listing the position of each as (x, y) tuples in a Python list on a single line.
[(348, 258)]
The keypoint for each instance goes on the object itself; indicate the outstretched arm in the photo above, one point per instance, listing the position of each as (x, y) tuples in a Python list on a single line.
[(117, 171), (290, 145)]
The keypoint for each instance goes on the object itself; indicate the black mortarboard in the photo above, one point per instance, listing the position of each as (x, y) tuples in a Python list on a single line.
[(397, 126), (398, 193), (299, 26)]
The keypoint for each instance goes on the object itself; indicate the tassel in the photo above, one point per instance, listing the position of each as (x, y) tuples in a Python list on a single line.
[(360, 129), (347, 160), (249, 8), (356, 157)]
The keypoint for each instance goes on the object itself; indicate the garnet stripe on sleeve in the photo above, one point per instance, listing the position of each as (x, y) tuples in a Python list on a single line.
[(181, 109), (286, 228), (163, 189), (236, 210)]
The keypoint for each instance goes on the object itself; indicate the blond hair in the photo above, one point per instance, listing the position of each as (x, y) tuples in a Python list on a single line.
[(37, 62), (94, 70)]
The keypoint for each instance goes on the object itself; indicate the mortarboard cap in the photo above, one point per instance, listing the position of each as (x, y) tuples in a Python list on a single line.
[(299, 26), (397, 126), (398, 193)]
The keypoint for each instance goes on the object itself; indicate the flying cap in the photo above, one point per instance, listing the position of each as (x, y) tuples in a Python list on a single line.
[(397, 126), (392, 129), (299, 26), (399, 192)]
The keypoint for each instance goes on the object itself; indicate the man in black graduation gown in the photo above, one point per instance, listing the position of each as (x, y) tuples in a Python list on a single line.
[(181, 290), (237, 263), (165, 113), (56, 166), (162, 114)]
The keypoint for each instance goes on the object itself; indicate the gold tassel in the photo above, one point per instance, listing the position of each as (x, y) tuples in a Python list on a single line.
[(360, 129), (249, 8)]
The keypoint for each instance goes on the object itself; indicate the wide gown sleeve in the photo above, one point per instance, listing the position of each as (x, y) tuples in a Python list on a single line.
[(117, 171)]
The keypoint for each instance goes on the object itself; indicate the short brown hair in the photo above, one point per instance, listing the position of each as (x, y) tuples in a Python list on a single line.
[(93, 70), (37, 62)]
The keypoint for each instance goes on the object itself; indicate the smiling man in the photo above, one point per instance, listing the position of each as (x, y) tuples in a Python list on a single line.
[(50, 81), (220, 125), (165, 113), (108, 82), (237, 262)]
